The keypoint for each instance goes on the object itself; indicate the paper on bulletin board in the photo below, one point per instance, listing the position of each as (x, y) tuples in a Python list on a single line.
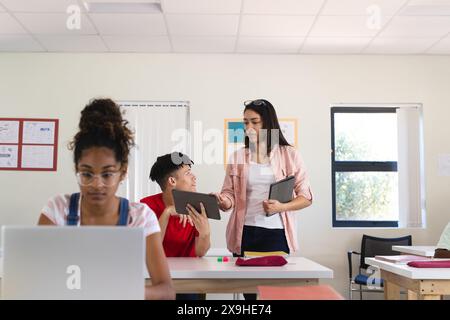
[(9, 131), (8, 156), (37, 157), (39, 132)]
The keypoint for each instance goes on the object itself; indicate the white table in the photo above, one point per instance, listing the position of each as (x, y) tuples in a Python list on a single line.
[(207, 275), (424, 251), (421, 283)]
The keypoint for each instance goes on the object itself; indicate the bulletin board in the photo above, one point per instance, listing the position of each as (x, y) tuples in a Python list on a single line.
[(234, 137), (28, 144)]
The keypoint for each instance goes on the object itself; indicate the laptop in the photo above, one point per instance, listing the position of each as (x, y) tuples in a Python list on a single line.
[(72, 263)]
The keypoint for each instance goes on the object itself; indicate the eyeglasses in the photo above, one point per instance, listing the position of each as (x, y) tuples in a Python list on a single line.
[(108, 179), (257, 102)]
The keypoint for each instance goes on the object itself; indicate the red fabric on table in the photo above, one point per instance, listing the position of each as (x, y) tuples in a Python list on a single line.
[(430, 264), (266, 261)]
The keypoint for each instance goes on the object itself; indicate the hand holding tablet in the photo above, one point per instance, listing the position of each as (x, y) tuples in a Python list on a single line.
[(183, 198), (281, 191)]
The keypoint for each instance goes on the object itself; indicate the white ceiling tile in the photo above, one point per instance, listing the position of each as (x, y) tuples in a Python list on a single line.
[(53, 23), (136, 43), (273, 26), (132, 24), (8, 25), (399, 45), (72, 43), (413, 26), (299, 7), (350, 45), (1, 8), (203, 25), (428, 2), (426, 8), (39, 5), (19, 43), (204, 44), (269, 44), (362, 7), (346, 26), (442, 47), (202, 6)]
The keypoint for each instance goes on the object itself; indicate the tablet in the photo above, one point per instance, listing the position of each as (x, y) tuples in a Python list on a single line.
[(182, 198), (282, 190)]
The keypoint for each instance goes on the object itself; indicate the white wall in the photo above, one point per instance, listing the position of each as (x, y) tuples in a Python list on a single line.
[(59, 85)]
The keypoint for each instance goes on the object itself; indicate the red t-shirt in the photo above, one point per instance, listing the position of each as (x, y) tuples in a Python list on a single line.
[(178, 241)]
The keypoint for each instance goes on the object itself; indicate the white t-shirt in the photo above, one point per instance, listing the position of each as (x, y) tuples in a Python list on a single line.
[(139, 214), (260, 176)]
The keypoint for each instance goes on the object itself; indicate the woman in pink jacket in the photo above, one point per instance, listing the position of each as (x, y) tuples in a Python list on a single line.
[(258, 224)]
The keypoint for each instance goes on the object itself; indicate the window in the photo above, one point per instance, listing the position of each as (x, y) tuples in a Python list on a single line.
[(368, 189)]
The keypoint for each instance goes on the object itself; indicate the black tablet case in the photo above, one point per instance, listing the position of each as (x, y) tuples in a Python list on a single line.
[(282, 190), (182, 198)]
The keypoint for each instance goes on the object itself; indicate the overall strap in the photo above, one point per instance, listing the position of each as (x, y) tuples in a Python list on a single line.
[(72, 217), (123, 209)]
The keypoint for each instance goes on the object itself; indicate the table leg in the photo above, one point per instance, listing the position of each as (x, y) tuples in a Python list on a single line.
[(391, 291), (412, 295)]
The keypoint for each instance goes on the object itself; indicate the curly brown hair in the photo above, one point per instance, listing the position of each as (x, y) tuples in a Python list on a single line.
[(102, 125)]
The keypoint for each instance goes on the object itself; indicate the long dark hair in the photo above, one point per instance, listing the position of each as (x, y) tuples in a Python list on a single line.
[(269, 122)]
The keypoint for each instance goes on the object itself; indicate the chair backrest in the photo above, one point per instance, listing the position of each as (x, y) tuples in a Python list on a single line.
[(373, 246)]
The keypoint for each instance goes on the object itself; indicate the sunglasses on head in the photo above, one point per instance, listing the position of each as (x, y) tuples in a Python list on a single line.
[(257, 102)]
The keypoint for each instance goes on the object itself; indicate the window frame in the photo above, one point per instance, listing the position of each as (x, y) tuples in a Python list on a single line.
[(358, 166)]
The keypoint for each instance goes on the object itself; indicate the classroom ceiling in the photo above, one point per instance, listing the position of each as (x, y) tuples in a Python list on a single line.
[(227, 26)]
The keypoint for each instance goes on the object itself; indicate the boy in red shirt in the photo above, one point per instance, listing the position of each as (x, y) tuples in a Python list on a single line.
[(183, 236)]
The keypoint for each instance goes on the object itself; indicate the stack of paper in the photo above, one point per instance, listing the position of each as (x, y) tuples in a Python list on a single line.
[(402, 259)]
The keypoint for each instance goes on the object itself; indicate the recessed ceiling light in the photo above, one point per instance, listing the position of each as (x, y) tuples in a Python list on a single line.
[(123, 7)]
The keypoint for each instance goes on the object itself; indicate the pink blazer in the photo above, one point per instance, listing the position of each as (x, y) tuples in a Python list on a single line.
[(285, 161)]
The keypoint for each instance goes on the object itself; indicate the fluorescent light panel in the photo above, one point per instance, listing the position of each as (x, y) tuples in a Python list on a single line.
[(122, 7)]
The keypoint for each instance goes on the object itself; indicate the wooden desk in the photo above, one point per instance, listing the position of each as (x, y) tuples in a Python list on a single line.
[(421, 283)]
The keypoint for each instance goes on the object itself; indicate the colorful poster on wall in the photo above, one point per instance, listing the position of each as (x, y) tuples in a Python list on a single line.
[(28, 144), (234, 133)]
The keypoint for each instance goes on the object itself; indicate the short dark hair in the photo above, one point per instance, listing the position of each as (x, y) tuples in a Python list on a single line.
[(166, 165)]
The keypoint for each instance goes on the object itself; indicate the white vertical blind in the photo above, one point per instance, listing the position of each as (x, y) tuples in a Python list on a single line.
[(158, 128), (410, 166)]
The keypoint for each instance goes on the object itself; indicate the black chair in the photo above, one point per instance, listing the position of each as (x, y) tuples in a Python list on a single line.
[(371, 247)]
